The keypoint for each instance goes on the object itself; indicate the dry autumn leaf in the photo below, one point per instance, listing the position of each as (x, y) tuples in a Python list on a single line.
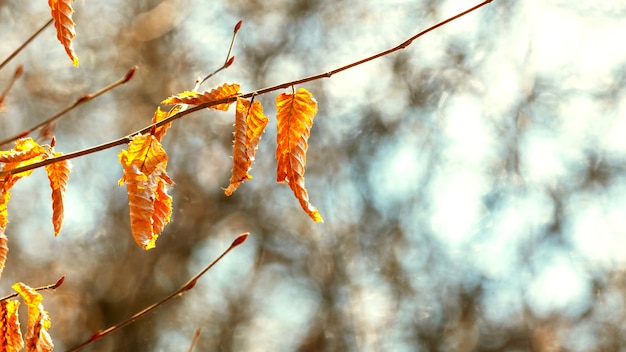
[(58, 174), (249, 127), (10, 335), (62, 14), (25, 152), (162, 115), (144, 166), (294, 115), (37, 337), (196, 98)]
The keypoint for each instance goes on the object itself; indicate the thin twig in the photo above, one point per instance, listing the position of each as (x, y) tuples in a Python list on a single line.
[(227, 62), (47, 287), (184, 288), (81, 100), (196, 337), (18, 72), (17, 51), (126, 139)]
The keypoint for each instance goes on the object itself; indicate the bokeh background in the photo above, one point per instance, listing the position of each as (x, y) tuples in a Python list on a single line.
[(473, 185)]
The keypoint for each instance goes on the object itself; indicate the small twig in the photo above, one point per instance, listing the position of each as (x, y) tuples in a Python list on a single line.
[(227, 62), (48, 287), (196, 337), (81, 100), (126, 139), (18, 72), (17, 51), (184, 288)]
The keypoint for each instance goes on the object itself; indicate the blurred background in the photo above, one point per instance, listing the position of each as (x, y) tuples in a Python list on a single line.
[(473, 185)]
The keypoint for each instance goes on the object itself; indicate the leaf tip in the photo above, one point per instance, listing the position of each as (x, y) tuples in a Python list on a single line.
[(75, 61), (315, 216)]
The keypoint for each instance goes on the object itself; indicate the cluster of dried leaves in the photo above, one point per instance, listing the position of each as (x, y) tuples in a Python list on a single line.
[(144, 165)]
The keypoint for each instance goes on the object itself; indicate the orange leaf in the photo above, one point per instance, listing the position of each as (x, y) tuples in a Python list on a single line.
[(5, 195), (10, 334), (161, 115), (249, 127), (144, 166), (37, 337), (294, 115), (62, 14), (58, 174), (25, 152), (4, 249), (196, 98), (162, 207)]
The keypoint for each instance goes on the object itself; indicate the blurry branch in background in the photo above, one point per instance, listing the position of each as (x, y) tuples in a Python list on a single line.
[(18, 73), (42, 288), (81, 100), (28, 41), (184, 288), (183, 112), (196, 337)]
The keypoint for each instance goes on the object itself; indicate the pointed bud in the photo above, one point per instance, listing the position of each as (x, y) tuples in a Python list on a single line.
[(240, 239), (230, 61), (18, 71), (238, 26), (130, 74)]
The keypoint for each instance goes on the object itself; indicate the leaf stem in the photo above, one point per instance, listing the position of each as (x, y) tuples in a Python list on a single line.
[(28, 41), (184, 288), (182, 113), (81, 100)]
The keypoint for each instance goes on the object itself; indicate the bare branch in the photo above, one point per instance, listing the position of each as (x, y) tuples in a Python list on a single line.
[(81, 100), (184, 288), (28, 41)]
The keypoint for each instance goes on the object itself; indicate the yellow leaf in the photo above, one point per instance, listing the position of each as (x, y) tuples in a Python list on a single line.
[(62, 14), (58, 174), (197, 98), (37, 337), (144, 166), (249, 127), (10, 334), (161, 115), (294, 115), (5, 195)]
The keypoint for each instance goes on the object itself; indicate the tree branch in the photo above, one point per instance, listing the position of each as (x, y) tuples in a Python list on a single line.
[(184, 288), (126, 139)]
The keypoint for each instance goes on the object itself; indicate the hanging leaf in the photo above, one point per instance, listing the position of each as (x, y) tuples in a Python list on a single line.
[(37, 337), (58, 175), (249, 127), (144, 166), (294, 115), (62, 14), (25, 152), (10, 334), (4, 249), (196, 98), (162, 115)]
